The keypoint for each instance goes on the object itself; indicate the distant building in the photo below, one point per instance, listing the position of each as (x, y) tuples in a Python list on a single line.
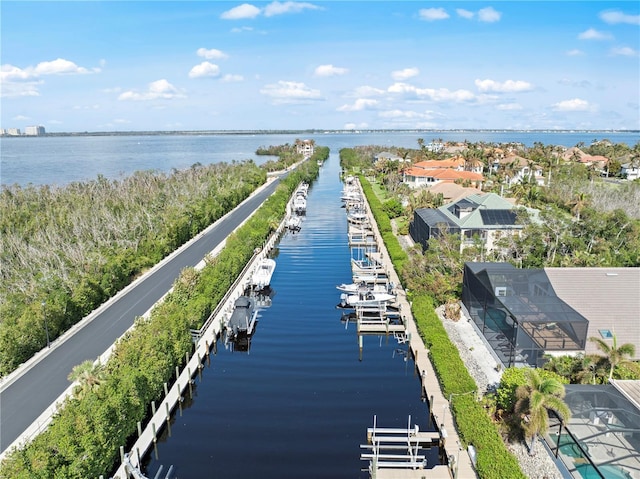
[(12, 132), (305, 147), (34, 131)]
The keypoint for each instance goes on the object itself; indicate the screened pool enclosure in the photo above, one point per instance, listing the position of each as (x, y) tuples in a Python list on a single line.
[(519, 314)]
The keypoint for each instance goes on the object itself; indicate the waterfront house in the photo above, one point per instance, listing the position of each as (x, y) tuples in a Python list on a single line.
[(477, 217), (527, 314)]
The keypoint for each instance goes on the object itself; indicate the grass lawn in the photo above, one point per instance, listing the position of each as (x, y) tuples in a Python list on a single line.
[(380, 192)]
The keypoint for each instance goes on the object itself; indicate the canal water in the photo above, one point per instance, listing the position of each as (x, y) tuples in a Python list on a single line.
[(298, 403)]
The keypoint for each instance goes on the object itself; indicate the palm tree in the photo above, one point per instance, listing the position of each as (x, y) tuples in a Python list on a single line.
[(615, 354), (590, 370), (533, 401), (89, 376)]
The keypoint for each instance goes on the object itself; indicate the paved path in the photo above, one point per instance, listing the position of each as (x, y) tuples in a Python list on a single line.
[(29, 395)]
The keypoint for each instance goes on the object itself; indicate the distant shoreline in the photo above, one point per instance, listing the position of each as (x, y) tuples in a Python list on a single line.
[(307, 132)]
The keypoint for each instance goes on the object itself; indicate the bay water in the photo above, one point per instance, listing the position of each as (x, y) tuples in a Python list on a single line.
[(63, 159)]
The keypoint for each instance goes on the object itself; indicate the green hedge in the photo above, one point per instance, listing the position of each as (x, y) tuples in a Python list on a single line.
[(473, 423), (84, 438)]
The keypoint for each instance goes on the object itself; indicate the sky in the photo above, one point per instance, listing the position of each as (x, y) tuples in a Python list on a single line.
[(357, 65)]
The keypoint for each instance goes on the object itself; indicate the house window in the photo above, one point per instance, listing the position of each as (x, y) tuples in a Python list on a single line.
[(605, 333)]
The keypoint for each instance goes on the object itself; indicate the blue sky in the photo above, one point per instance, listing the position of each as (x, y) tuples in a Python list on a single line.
[(203, 65)]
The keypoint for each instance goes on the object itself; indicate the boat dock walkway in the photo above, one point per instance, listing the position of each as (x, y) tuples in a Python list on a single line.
[(460, 464)]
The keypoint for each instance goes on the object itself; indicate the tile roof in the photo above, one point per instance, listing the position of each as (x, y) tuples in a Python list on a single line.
[(608, 297)]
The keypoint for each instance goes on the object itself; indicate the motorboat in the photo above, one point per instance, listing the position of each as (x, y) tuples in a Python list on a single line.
[(243, 319), (357, 217), (362, 286), (366, 298), (303, 190), (300, 204), (261, 277), (294, 223), (360, 267)]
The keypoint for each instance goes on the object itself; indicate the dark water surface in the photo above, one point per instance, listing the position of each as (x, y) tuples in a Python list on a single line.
[(299, 402)]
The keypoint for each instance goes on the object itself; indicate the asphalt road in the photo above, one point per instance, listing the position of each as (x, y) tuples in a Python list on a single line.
[(26, 398)]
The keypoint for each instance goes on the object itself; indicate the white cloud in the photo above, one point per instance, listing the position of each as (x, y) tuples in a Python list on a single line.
[(624, 51), (616, 16), (157, 90), (241, 29), (19, 82), (356, 126), (230, 78), (593, 34), (290, 92), (405, 74), (279, 8), (329, 71), (365, 91), (507, 86), (431, 14), (11, 73), (574, 53), (489, 15), (204, 69), (359, 105), (21, 118), (240, 12), (464, 13), (60, 66), (212, 54), (246, 10), (440, 94), (509, 106), (575, 104)]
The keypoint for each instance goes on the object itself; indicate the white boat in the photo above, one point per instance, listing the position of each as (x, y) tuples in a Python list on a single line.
[(363, 286), (358, 218), (294, 223), (368, 298), (359, 267), (261, 277), (300, 204)]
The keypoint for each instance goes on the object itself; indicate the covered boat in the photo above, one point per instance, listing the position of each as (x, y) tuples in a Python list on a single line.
[(243, 319)]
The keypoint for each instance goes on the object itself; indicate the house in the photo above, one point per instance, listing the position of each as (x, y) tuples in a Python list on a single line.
[(527, 314), (630, 171), (452, 192), (433, 172), (388, 156), (520, 169), (483, 217), (305, 147)]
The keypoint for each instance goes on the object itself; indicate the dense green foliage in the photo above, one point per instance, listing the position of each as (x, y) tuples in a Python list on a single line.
[(511, 379), (84, 438), (474, 424), (65, 250)]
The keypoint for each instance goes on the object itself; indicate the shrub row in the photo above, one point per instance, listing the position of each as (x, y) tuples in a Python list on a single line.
[(84, 438), (474, 424)]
